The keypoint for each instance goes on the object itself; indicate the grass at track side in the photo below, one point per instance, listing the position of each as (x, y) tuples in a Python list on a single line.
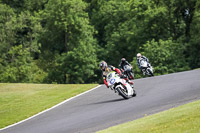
[(20, 101), (183, 119)]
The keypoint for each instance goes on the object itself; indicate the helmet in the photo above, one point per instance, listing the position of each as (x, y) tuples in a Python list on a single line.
[(103, 65), (139, 55), (123, 59)]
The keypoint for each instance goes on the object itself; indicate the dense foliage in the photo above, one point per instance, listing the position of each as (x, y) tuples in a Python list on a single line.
[(62, 41)]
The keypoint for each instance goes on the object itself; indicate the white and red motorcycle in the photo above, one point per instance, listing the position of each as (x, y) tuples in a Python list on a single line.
[(120, 85)]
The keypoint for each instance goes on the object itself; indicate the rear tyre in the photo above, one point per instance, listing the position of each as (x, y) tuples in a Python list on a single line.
[(123, 92)]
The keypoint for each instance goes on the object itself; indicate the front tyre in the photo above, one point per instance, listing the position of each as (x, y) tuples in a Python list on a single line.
[(123, 92), (150, 72), (134, 93), (130, 75)]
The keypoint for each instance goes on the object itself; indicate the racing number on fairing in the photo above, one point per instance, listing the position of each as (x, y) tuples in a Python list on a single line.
[(110, 75), (112, 81)]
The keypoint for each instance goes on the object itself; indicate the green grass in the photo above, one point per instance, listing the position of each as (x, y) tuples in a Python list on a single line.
[(183, 119), (20, 101)]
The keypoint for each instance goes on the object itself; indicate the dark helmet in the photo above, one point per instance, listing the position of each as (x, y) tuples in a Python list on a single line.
[(103, 65), (123, 59)]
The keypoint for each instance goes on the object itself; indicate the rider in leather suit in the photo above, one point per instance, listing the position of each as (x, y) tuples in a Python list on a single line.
[(123, 63), (106, 69), (139, 56)]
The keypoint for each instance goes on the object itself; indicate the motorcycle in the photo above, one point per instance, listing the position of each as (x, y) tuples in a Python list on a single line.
[(147, 69), (120, 85), (128, 71)]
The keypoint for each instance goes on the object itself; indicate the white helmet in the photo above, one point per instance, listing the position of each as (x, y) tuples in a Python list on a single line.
[(139, 55)]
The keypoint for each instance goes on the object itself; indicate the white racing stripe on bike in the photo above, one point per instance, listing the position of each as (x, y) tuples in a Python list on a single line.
[(50, 108)]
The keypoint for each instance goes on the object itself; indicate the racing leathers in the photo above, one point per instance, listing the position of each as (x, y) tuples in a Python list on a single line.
[(111, 68), (123, 63), (138, 63)]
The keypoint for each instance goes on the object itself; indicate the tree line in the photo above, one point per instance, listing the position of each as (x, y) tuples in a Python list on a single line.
[(62, 41)]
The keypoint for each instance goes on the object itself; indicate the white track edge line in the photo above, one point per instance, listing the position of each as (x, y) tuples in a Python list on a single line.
[(49, 108)]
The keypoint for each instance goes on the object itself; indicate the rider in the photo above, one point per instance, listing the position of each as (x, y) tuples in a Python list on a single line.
[(139, 57), (106, 69), (123, 63)]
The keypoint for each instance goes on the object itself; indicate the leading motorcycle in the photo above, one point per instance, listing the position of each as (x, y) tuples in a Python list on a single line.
[(120, 85)]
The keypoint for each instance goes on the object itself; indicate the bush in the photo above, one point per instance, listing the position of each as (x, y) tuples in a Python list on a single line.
[(165, 56)]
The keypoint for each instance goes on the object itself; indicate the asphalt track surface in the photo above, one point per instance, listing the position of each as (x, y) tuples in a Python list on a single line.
[(102, 108)]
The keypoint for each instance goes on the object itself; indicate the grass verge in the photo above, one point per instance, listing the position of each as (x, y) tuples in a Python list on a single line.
[(183, 119), (20, 101)]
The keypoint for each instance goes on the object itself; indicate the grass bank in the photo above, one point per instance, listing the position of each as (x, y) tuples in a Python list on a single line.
[(183, 119), (20, 101)]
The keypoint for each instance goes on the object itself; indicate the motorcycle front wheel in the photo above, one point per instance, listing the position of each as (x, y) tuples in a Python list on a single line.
[(123, 92), (134, 93), (150, 72), (130, 75)]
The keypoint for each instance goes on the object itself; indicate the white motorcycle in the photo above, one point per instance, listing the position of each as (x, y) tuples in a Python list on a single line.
[(120, 85), (147, 69)]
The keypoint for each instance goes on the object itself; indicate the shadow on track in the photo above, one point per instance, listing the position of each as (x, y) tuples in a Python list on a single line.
[(110, 101)]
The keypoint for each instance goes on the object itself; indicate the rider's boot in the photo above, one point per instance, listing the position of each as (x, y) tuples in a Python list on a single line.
[(143, 72), (130, 82)]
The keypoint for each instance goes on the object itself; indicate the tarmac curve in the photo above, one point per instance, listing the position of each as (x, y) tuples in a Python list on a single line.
[(102, 108)]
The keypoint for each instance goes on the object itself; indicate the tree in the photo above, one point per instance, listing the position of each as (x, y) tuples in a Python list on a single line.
[(64, 39), (68, 40), (193, 46), (79, 64), (25, 5), (18, 32), (17, 67), (165, 56), (7, 28)]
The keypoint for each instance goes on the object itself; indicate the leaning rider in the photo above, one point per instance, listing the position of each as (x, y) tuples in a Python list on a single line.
[(123, 63), (139, 57), (106, 69)]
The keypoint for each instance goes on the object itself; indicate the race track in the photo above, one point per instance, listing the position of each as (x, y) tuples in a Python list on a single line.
[(102, 108)]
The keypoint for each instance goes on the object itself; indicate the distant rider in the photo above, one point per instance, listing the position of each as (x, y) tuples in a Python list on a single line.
[(107, 69), (123, 63), (139, 57)]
